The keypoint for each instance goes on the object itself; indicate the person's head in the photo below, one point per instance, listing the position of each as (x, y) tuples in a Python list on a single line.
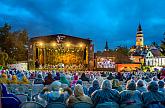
[(79, 82), (55, 86), (49, 75), (24, 78), (161, 84), (39, 76), (4, 75), (75, 77), (106, 84), (140, 83), (45, 89), (68, 90), (83, 75), (153, 86), (154, 78), (78, 90), (115, 83), (14, 77), (95, 83), (131, 85)]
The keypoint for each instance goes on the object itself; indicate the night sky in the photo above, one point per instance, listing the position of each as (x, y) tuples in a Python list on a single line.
[(113, 20)]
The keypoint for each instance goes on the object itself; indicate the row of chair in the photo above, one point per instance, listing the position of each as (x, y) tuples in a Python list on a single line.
[(10, 102)]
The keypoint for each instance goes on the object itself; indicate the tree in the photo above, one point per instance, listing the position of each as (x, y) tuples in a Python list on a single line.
[(3, 58), (155, 44), (162, 47), (122, 55), (14, 43)]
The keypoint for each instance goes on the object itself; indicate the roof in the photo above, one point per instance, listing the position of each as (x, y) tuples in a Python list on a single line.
[(49, 38), (156, 52), (139, 28)]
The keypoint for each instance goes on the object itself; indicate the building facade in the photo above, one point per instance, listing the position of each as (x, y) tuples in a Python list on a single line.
[(154, 58), (139, 37)]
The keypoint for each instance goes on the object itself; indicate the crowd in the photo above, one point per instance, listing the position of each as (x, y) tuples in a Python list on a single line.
[(106, 89)]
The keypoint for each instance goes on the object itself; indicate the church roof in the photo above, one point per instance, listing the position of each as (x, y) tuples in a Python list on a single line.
[(139, 28), (156, 52)]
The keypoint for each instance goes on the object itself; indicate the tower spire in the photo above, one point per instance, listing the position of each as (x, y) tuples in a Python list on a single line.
[(106, 46), (139, 36)]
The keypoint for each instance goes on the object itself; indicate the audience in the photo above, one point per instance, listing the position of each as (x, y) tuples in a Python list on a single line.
[(84, 78), (67, 88), (161, 86), (130, 98), (78, 96), (153, 98), (141, 86), (39, 79), (116, 85), (95, 86), (14, 80), (106, 95), (25, 80), (48, 79)]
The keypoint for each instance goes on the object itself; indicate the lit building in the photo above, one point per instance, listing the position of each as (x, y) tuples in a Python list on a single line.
[(154, 58), (61, 51), (139, 37), (104, 60), (138, 52)]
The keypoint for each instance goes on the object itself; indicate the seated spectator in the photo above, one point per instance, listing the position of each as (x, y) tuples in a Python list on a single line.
[(78, 96), (67, 93), (110, 77), (153, 98), (84, 78), (141, 86), (84, 88), (55, 94), (103, 74), (39, 79), (155, 78), (74, 81), (4, 79), (57, 77), (63, 79), (161, 86), (25, 80), (116, 85), (48, 79), (32, 75), (14, 80), (130, 98), (106, 95), (95, 86)]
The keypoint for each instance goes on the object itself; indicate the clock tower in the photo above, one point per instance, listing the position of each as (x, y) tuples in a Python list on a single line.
[(139, 37)]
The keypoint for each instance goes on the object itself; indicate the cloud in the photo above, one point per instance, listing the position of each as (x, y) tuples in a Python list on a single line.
[(113, 20)]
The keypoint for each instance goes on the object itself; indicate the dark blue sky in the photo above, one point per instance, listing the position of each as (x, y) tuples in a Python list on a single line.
[(113, 20)]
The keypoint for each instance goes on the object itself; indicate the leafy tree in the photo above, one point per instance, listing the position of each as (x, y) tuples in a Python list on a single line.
[(14, 43), (155, 44), (122, 55), (3, 58), (162, 47)]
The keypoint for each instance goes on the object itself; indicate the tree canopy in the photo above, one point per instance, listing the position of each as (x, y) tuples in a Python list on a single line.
[(13, 43)]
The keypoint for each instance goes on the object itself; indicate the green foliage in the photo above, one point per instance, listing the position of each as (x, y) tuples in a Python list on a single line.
[(3, 58), (162, 46), (13, 43), (122, 55)]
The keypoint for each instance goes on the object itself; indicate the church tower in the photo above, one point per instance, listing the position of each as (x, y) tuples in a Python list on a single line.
[(139, 37), (106, 47)]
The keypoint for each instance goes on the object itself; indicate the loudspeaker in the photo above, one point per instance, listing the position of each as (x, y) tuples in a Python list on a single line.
[(36, 53), (84, 54)]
